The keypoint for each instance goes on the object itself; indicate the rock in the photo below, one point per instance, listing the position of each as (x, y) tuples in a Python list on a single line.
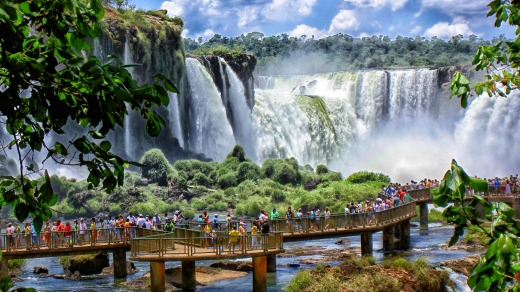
[(40, 270), (130, 269), (343, 241), (86, 264), (233, 266), (463, 265)]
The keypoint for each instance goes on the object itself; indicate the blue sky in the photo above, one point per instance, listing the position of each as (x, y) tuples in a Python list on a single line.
[(427, 18)]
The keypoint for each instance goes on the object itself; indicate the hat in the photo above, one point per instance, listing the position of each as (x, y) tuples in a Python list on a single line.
[(209, 222), (216, 215), (242, 223)]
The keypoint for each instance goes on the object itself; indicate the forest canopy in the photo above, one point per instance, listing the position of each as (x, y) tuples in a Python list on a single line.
[(343, 52)]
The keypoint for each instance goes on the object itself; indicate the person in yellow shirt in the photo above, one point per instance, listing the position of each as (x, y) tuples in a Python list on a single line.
[(254, 232), (207, 233), (233, 238)]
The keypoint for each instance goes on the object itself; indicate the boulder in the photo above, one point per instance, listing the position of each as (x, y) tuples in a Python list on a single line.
[(234, 266), (86, 264), (40, 270), (343, 241), (130, 269)]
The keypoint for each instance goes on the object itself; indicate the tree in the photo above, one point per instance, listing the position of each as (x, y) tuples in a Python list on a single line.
[(46, 83), (499, 270), (500, 61)]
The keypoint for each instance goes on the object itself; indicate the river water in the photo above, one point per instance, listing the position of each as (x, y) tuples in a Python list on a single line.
[(424, 243)]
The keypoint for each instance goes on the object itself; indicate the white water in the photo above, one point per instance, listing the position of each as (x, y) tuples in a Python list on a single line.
[(127, 59), (242, 120), (210, 132), (175, 118)]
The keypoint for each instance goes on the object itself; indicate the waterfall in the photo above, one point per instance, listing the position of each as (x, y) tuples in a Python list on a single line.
[(241, 116), (129, 141), (210, 130), (175, 118)]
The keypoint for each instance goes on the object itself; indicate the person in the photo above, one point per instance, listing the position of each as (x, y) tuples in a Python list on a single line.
[(59, 230), (110, 228), (205, 216), (17, 236), (318, 215), (9, 233), (47, 234), (215, 222), (242, 232), (327, 219), (254, 232), (207, 233), (133, 222), (299, 216), (67, 233), (265, 227), (312, 218), (93, 231), (262, 217), (288, 219), (35, 234), (75, 231), (228, 221), (156, 220), (128, 230), (407, 197), (82, 231), (27, 233), (233, 238), (54, 232), (274, 218), (200, 223), (101, 231)]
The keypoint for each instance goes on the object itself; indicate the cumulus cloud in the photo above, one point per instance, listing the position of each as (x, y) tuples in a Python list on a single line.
[(344, 21), (308, 31), (236, 16), (394, 4), (445, 30), (416, 30), (457, 7)]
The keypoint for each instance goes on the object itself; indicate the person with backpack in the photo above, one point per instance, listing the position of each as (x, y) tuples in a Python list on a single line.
[(156, 220), (288, 219), (215, 222), (312, 218)]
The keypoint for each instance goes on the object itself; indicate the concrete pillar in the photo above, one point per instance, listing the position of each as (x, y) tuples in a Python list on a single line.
[(366, 243), (4, 270), (157, 276), (119, 261), (404, 238), (423, 215), (271, 263), (189, 282), (260, 274), (388, 238), (516, 207)]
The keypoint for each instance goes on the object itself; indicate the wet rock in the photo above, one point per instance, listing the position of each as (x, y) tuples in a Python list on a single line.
[(463, 265), (86, 265), (40, 270), (343, 241), (130, 269), (234, 266)]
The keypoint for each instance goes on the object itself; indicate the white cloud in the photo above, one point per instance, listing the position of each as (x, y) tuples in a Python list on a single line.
[(458, 7), (281, 10), (344, 21), (416, 30), (446, 30), (394, 4), (304, 29), (174, 7)]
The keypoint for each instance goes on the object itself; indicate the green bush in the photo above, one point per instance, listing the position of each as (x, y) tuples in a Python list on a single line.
[(248, 171), (178, 179), (228, 180), (281, 171), (218, 206), (201, 179), (132, 178), (300, 282), (238, 152), (198, 204), (321, 169), (61, 186), (366, 176), (330, 177), (155, 166), (6, 283), (278, 196)]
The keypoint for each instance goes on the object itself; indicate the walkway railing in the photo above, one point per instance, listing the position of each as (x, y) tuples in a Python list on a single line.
[(168, 244)]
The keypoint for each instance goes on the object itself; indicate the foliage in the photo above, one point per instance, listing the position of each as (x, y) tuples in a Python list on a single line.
[(6, 283), (501, 265), (343, 52), (155, 166), (16, 264), (228, 180), (500, 60), (238, 152), (248, 171), (219, 50), (321, 169), (48, 83), (366, 176), (282, 171)]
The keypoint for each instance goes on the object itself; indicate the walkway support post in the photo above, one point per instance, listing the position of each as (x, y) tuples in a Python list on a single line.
[(423, 215), (189, 282), (366, 243), (388, 238), (404, 235), (260, 274), (4, 270), (271, 263), (157, 276), (516, 206), (119, 258)]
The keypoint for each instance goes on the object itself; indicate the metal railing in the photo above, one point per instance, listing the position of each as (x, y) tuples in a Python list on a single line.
[(194, 244)]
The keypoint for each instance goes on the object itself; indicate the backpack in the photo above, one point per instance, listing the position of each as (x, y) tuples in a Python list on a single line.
[(167, 227), (313, 215)]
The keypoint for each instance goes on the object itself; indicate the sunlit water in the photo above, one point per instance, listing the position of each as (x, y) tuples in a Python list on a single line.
[(424, 243)]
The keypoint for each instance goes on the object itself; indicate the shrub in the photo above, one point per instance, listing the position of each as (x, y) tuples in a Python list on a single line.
[(277, 196), (238, 152), (321, 169), (330, 177), (228, 180), (198, 204), (178, 179), (281, 171), (201, 179), (300, 282), (248, 170), (132, 178), (218, 206), (61, 186), (155, 166), (366, 176)]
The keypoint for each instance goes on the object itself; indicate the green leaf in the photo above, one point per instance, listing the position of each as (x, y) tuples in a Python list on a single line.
[(105, 145), (25, 7), (21, 211)]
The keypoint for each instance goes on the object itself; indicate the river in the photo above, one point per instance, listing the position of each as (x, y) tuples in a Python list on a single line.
[(424, 243)]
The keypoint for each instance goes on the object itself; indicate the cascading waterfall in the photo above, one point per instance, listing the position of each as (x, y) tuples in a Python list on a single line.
[(210, 130), (175, 121), (242, 120), (127, 59)]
